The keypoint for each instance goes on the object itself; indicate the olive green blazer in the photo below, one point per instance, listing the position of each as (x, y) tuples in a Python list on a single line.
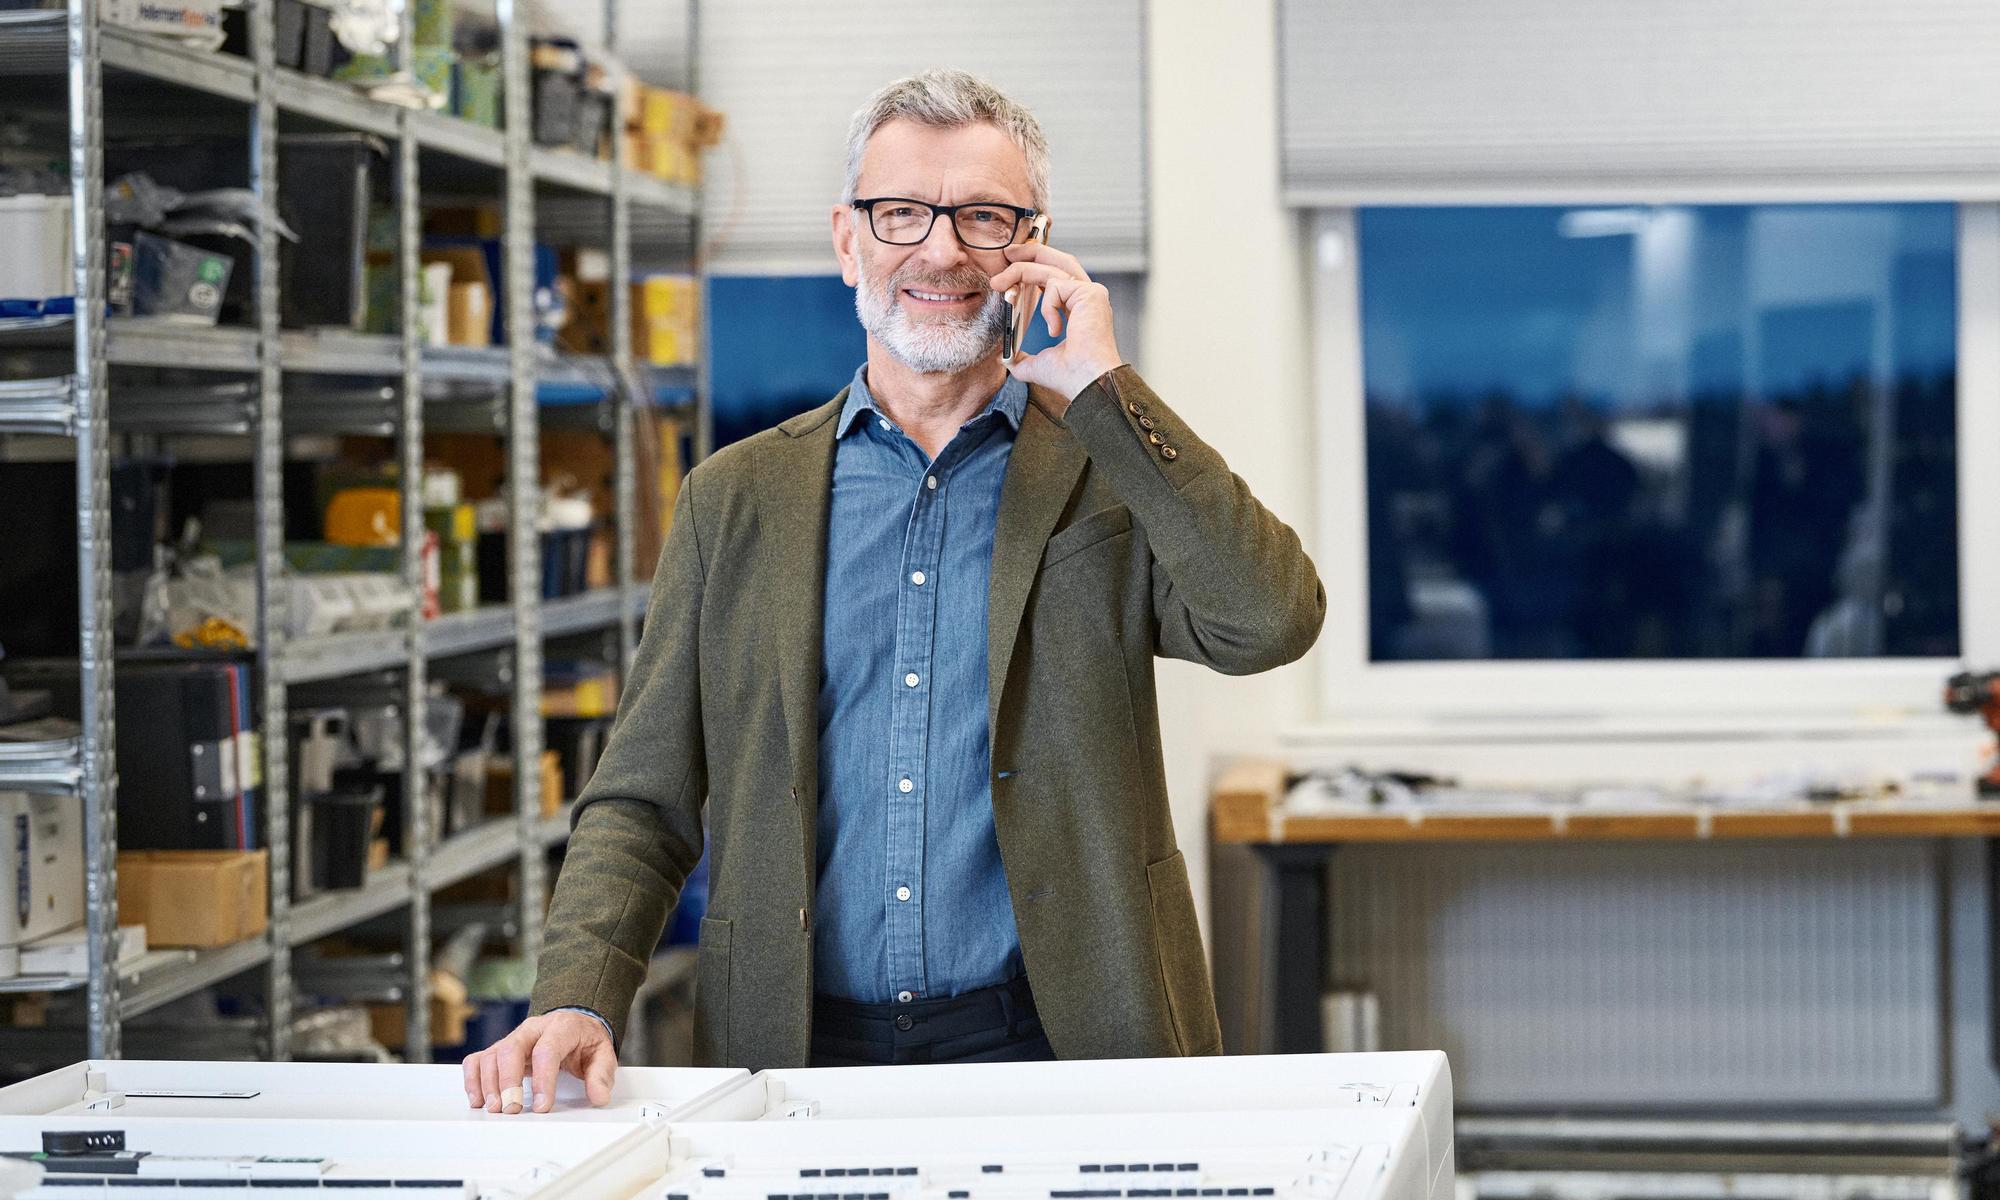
[(1121, 536)]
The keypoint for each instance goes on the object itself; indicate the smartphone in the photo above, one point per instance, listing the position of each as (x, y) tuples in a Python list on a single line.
[(1027, 298)]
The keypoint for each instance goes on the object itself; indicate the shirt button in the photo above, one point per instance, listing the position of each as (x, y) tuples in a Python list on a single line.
[(911, 679), (905, 787), (931, 483), (917, 577), (905, 997), (902, 893), (885, 424)]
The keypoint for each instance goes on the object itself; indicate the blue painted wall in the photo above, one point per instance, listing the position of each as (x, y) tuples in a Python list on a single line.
[(779, 345)]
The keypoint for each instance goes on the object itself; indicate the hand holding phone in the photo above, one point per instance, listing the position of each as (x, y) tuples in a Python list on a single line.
[(1024, 299)]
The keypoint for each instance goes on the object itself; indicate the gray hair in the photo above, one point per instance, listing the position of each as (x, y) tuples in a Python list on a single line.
[(948, 100)]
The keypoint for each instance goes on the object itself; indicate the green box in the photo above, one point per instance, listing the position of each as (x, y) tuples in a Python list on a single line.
[(475, 92), (433, 23), (432, 67)]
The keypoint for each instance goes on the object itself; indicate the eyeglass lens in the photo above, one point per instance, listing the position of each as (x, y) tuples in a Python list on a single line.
[(983, 227)]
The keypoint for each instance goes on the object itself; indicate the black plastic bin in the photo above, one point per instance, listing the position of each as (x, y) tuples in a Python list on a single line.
[(326, 182), (343, 825), (565, 564), (302, 36)]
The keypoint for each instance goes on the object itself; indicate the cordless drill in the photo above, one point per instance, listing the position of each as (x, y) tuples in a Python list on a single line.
[(1978, 692)]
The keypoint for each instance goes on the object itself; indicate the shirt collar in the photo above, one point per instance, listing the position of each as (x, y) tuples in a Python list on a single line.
[(1011, 402)]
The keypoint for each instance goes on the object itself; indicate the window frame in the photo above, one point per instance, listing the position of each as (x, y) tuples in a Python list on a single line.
[(1741, 690)]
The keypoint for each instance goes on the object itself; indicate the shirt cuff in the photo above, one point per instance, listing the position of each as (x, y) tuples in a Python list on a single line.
[(589, 1012)]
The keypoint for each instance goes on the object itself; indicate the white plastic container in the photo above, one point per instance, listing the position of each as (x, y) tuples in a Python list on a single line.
[(35, 233)]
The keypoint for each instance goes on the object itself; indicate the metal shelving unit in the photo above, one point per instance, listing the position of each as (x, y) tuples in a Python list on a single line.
[(407, 387)]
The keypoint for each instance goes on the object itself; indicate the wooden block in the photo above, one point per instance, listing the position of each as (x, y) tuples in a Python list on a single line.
[(1243, 799)]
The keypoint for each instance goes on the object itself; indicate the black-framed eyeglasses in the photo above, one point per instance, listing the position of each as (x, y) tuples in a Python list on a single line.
[(901, 221)]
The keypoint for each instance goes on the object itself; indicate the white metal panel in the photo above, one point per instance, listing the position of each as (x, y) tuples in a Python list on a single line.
[(789, 75), (1630, 976), (1386, 100)]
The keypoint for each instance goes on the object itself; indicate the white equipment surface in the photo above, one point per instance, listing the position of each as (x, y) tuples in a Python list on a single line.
[(1300, 1127), (41, 871)]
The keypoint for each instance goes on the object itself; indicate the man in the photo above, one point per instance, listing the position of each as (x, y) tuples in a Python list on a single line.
[(903, 647)]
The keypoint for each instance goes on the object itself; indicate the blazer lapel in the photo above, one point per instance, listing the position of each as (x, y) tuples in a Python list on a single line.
[(795, 486), (1041, 473)]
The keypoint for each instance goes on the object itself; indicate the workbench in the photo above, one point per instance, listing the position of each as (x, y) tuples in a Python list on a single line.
[(1293, 850)]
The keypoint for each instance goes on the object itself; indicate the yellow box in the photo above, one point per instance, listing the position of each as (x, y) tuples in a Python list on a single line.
[(596, 696), (668, 296), (365, 516), (663, 345)]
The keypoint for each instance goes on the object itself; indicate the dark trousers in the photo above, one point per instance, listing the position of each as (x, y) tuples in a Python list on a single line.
[(994, 1024)]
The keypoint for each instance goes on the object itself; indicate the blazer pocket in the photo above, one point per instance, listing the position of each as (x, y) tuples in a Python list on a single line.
[(1100, 526), (1183, 966), (711, 994)]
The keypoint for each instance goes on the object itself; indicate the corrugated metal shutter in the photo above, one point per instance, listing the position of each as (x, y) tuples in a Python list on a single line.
[(790, 74), (1460, 100)]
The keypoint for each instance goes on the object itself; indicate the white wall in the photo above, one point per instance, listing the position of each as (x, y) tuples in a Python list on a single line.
[(1225, 343)]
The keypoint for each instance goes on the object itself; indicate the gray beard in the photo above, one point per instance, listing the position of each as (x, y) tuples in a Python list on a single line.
[(929, 347)]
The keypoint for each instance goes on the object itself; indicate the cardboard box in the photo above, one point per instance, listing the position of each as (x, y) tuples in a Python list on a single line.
[(449, 1013), (468, 298), (500, 785), (468, 315), (196, 898), (660, 468)]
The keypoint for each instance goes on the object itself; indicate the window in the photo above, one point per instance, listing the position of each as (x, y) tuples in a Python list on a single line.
[(1721, 439)]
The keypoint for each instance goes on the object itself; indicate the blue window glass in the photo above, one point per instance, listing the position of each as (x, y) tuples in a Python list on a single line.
[(1674, 432)]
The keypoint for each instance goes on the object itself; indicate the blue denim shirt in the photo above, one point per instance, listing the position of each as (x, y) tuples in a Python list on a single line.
[(912, 896)]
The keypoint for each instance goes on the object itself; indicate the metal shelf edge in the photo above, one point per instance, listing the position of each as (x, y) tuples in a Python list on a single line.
[(460, 138), (467, 853), (567, 168), (335, 103), (337, 654), (338, 352), (473, 364), (387, 889), (144, 993), (655, 192), (581, 613), (144, 54), (550, 831), (151, 342), (484, 628)]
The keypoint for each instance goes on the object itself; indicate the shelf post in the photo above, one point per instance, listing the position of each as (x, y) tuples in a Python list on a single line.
[(629, 377), (523, 470), (417, 795), (97, 787), (273, 594)]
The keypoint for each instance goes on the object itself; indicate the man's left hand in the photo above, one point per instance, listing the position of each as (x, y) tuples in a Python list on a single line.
[(1069, 300)]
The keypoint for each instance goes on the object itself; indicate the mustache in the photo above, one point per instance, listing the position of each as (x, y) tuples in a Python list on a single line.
[(965, 281)]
